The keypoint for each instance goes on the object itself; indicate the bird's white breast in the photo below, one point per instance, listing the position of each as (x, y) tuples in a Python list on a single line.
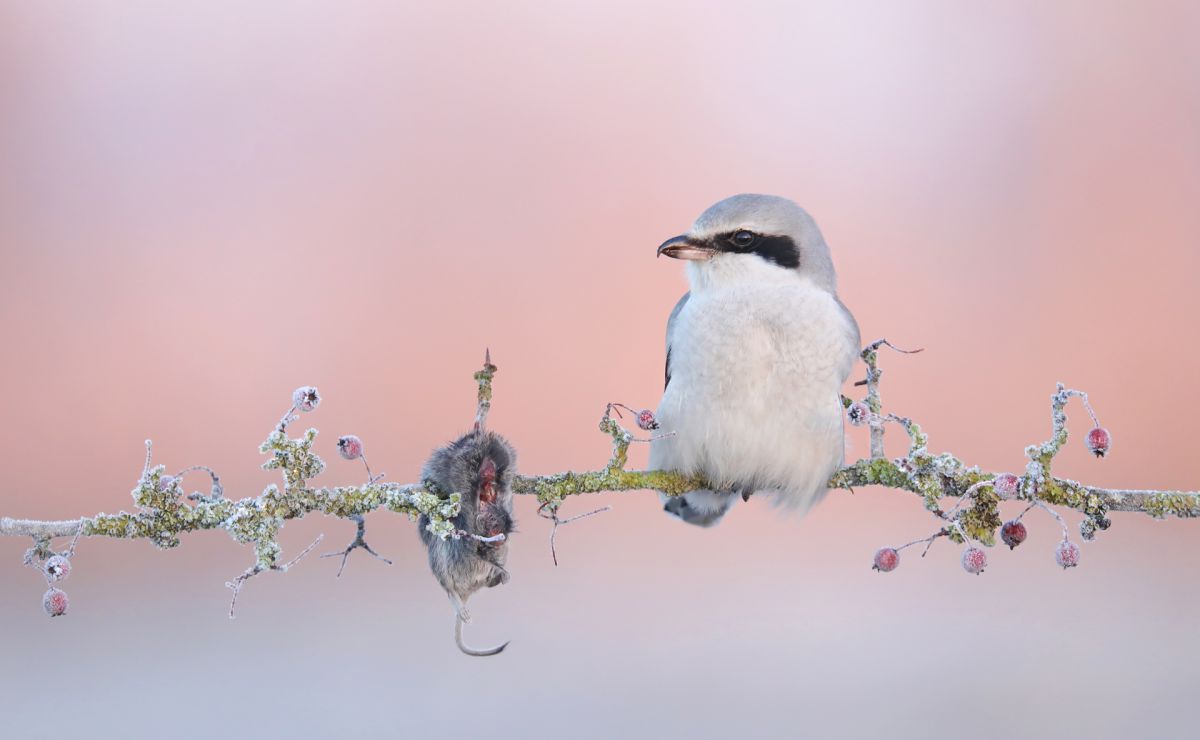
[(754, 398)]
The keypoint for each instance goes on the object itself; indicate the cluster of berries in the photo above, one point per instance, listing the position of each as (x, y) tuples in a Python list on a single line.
[(55, 601), (974, 559), (1006, 486), (1012, 533)]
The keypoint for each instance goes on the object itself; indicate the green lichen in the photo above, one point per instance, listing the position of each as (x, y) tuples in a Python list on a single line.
[(982, 518), (871, 472), (292, 456), (1172, 503)]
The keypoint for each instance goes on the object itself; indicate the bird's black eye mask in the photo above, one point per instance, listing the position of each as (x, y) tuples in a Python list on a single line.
[(778, 249)]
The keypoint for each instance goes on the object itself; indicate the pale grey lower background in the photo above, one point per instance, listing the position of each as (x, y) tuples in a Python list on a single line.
[(777, 637)]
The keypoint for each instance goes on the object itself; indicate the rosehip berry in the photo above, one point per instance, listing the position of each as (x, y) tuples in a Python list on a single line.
[(350, 447), (306, 398), (886, 559), (1013, 533), (55, 602), (1098, 441), (57, 568), (646, 420), (1005, 485), (974, 560), (1067, 554), (858, 413)]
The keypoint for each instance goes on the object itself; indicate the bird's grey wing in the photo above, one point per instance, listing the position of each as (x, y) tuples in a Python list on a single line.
[(854, 337), (670, 335)]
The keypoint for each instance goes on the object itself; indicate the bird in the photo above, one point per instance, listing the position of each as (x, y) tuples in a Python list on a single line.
[(758, 350)]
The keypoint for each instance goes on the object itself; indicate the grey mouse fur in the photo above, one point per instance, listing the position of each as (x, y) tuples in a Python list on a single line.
[(479, 466)]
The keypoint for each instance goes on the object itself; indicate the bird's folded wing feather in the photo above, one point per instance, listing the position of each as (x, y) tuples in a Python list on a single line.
[(670, 335)]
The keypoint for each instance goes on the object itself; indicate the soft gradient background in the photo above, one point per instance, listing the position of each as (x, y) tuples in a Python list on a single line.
[(206, 204)]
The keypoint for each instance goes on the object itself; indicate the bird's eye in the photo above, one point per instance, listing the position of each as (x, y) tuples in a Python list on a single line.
[(744, 238)]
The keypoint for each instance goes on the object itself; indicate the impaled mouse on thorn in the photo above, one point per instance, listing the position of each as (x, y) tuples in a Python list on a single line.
[(479, 466)]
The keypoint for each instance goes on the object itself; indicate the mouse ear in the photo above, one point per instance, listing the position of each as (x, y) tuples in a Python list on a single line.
[(487, 480)]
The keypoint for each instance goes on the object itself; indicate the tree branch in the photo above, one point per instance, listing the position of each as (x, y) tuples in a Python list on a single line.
[(164, 513)]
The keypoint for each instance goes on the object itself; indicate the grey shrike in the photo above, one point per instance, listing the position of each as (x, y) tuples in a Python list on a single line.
[(757, 352)]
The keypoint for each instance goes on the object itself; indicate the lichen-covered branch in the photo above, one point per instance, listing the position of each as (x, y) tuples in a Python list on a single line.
[(164, 512)]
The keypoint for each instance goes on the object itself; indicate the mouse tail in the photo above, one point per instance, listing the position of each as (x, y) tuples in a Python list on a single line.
[(458, 640)]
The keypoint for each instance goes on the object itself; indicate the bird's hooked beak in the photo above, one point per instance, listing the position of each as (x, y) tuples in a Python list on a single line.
[(684, 247)]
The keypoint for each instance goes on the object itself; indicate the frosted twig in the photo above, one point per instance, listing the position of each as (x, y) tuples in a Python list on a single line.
[(371, 478), (966, 495), (484, 397), (215, 492), (237, 583), (460, 533), (553, 516), (74, 541), (1061, 522), (870, 356), (288, 417), (927, 540), (359, 542), (149, 452)]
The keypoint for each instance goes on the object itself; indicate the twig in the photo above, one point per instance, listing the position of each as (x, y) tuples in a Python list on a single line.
[(237, 583), (553, 516), (870, 356), (359, 542), (484, 396)]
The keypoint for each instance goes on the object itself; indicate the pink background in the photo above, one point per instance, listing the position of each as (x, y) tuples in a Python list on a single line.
[(206, 204)]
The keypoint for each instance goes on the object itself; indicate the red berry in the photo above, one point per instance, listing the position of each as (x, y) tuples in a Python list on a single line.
[(57, 568), (55, 602), (1067, 554), (858, 413), (974, 560), (646, 420), (306, 398), (886, 559), (1013, 533), (350, 447), (1098, 441), (1005, 485)]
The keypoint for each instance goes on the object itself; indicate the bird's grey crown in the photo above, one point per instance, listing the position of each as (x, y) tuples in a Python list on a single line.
[(771, 216)]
